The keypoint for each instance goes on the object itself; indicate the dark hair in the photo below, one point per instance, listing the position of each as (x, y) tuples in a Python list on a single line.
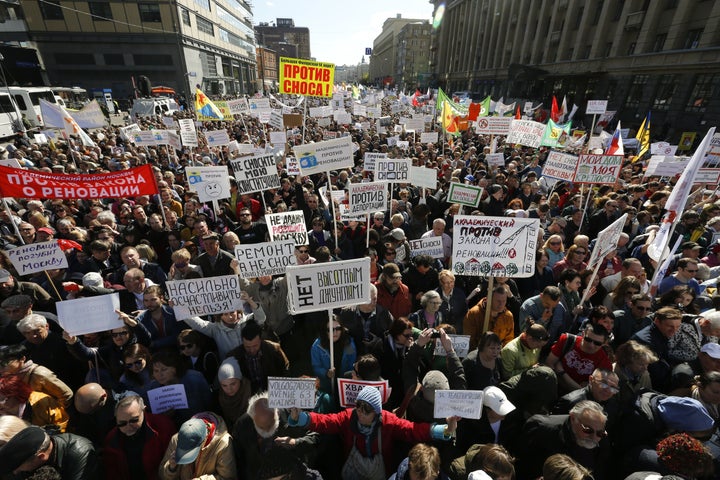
[(251, 330), (368, 367), (398, 326), (600, 312), (597, 330), (553, 292), (342, 341), (423, 261), (170, 358), (569, 275), (9, 353), (706, 378), (487, 339)]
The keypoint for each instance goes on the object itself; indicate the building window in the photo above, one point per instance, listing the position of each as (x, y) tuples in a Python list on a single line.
[(204, 25), (114, 59), (203, 3), (631, 48), (608, 49), (693, 38), (185, 17), (636, 91), (591, 87), (659, 42), (149, 12), (586, 51), (209, 64), (578, 18), (51, 10), (598, 12), (100, 11), (75, 59), (706, 86), (617, 11), (665, 91), (151, 59)]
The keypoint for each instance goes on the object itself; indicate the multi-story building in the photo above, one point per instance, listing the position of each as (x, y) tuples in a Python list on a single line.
[(413, 56), (177, 43), (285, 38), (640, 55), (267, 63), (386, 66), (351, 74)]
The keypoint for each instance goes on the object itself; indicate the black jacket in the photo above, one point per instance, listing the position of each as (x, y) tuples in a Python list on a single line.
[(74, 457)]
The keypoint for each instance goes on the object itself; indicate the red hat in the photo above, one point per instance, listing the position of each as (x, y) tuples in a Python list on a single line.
[(47, 230)]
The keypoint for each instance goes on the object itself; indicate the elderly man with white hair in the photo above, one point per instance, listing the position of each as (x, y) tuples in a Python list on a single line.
[(438, 230)]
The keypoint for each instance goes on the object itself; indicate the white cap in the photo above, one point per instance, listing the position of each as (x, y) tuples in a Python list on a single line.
[(495, 400), (712, 349)]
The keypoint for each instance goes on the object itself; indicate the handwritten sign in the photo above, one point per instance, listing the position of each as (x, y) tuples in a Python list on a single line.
[(204, 296), (287, 226), (496, 246), (166, 398), (188, 134), (560, 165), (291, 392), (255, 174), (367, 197), (598, 169), (89, 314), (393, 169), (266, 258), (322, 286), (36, 257), (464, 194), (432, 246), (349, 390), (461, 345), (210, 183), (495, 159), (460, 403), (525, 132)]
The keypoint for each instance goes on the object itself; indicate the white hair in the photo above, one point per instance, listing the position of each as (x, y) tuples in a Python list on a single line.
[(31, 322)]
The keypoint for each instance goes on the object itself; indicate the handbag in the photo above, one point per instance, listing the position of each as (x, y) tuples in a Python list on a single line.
[(359, 467)]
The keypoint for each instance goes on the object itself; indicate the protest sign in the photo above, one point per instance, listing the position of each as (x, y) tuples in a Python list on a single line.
[(210, 183), (423, 177), (10, 162), (319, 112), (525, 132), (496, 246), (598, 169), (371, 159), (278, 138), (464, 194), (255, 174), (325, 156), (276, 119), (36, 257), (188, 134), (596, 107), (359, 110), (458, 403), (346, 216), (493, 125), (291, 163), (560, 165), (460, 343), (495, 159), (266, 258), (665, 166), (607, 241), (349, 390), (238, 106), (284, 392), (342, 118), (287, 226), (89, 314), (169, 122), (258, 105), (161, 136), (35, 184), (204, 296), (707, 176), (392, 169), (428, 137), (403, 144), (327, 135), (169, 397), (143, 138), (305, 77), (432, 246), (40, 138), (415, 125), (217, 138), (367, 197), (322, 286), (663, 148)]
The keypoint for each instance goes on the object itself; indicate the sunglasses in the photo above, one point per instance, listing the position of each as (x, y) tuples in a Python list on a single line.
[(124, 423), (136, 364), (302, 251), (245, 215), (119, 334), (554, 243), (594, 342), (186, 346), (591, 431), (364, 407), (337, 329)]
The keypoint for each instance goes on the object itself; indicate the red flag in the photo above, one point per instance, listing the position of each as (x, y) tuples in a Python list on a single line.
[(518, 115), (415, 97), (554, 110), (68, 244), (474, 111)]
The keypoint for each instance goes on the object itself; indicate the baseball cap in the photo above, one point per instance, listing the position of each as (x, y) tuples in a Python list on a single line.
[(397, 234), (495, 400), (712, 349), (47, 230), (191, 438), (683, 414)]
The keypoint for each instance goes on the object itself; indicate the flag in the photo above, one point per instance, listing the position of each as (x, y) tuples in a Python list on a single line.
[(563, 110), (553, 132), (643, 136), (355, 92), (56, 116), (205, 107), (572, 112), (615, 147), (518, 115), (450, 111), (554, 110)]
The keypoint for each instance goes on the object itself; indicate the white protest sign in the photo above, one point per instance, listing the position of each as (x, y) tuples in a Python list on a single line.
[(255, 174), (266, 258), (342, 118), (188, 134), (10, 162), (278, 138), (40, 138), (143, 138), (525, 132), (276, 120), (324, 156), (598, 169), (204, 296), (126, 132), (292, 165), (260, 107), (663, 166), (169, 122), (169, 397), (460, 343), (318, 112), (210, 183), (495, 159), (415, 124), (432, 246), (327, 135), (323, 286), (493, 125), (349, 390), (496, 246), (346, 216), (607, 241), (707, 176), (217, 138), (428, 137), (360, 110), (393, 169), (367, 197), (174, 140), (464, 194), (560, 165), (161, 136), (238, 106), (287, 226), (374, 112), (458, 403), (663, 148), (423, 177), (89, 314), (371, 159), (596, 107), (36, 257), (286, 392)]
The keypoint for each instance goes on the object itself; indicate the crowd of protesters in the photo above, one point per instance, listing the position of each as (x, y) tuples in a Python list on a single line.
[(583, 376)]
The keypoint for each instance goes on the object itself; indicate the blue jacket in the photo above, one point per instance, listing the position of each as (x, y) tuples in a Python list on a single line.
[(321, 362)]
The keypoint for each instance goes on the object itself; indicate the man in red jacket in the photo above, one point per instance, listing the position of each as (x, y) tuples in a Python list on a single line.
[(392, 293), (135, 447)]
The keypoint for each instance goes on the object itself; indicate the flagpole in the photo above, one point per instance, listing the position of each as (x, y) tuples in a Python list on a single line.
[(304, 122)]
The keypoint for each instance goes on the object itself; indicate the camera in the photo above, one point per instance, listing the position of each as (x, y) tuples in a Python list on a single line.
[(435, 334)]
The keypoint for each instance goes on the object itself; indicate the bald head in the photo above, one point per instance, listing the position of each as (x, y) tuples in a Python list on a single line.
[(90, 398)]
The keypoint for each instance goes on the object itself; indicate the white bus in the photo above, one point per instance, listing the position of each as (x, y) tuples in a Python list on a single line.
[(28, 101), (8, 116)]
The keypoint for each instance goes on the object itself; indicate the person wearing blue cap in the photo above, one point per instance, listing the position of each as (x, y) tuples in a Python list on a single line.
[(369, 434)]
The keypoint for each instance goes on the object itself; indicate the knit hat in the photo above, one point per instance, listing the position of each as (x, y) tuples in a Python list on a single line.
[(683, 414), (92, 279), (229, 369), (434, 380), (371, 396)]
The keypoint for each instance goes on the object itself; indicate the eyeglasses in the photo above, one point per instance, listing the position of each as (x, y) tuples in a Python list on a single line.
[(186, 346), (642, 309), (607, 386), (302, 251), (591, 431), (337, 329), (580, 252), (245, 215), (554, 243), (136, 363), (119, 334), (124, 423), (364, 407), (594, 342)]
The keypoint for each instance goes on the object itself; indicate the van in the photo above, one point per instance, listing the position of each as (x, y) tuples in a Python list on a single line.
[(28, 101), (8, 116), (143, 107)]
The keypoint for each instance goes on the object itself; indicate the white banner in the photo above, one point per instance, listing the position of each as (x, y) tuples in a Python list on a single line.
[(423, 177), (596, 107), (494, 246), (432, 246), (371, 159), (460, 403), (204, 296), (325, 156), (188, 134), (143, 138), (607, 241), (89, 314), (525, 132), (217, 138), (367, 197), (324, 286), (284, 392), (36, 257), (266, 258), (287, 226), (663, 148), (238, 106), (210, 183), (560, 165), (495, 159), (428, 137), (278, 138), (255, 174), (393, 169)]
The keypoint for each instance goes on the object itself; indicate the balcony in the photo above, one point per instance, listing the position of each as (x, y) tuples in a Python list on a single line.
[(634, 21)]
